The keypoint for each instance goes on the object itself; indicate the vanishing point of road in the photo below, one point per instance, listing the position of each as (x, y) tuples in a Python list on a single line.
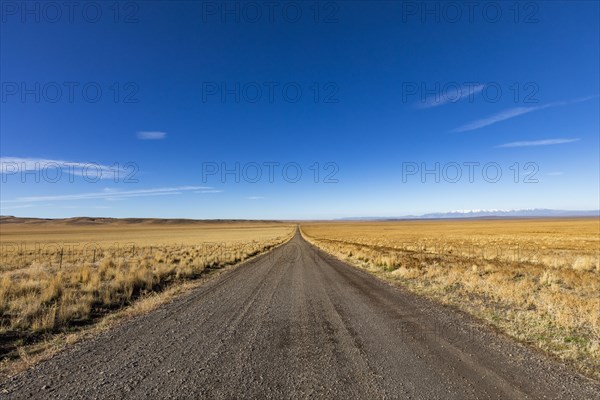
[(297, 323)]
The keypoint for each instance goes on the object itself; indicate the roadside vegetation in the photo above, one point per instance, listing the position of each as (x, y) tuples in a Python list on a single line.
[(536, 280), (56, 276)]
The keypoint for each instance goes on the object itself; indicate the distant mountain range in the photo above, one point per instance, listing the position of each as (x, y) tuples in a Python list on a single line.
[(526, 213)]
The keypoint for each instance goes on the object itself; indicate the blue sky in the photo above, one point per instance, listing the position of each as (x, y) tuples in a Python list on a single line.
[(135, 110)]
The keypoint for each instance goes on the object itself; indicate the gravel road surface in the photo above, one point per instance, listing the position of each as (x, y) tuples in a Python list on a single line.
[(297, 323)]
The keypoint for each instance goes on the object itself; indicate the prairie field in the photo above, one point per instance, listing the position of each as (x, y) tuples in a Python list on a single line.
[(537, 280), (56, 275)]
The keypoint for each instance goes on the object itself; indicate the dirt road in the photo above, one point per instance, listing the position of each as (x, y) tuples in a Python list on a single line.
[(296, 323)]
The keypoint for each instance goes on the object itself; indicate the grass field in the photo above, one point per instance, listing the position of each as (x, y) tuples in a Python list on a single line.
[(56, 275), (536, 280)]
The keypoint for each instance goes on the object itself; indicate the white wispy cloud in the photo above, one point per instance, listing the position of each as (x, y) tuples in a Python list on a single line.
[(17, 165), (501, 116), (111, 194), (514, 112), (450, 96), (208, 191), (84, 207), (254, 198), (544, 142), (151, 135)]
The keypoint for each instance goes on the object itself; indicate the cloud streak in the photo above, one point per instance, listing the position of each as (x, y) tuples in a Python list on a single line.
[(501, 116), (446, 97), (151, 135), (544, 142), (15, 165), (111, 194), (512, 113)]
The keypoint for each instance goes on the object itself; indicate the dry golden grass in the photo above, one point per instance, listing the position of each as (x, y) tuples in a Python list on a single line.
[(536, 280), (56, 275)]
